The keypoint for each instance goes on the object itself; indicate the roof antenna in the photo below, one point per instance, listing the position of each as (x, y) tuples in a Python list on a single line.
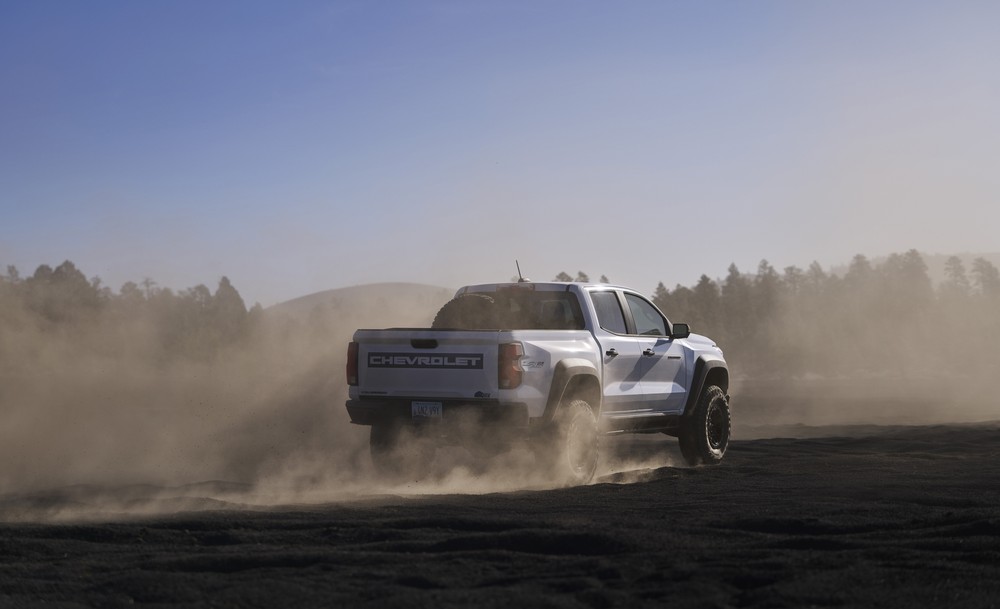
[(520, 278)]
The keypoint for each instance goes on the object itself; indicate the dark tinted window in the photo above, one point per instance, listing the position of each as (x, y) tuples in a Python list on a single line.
[(647, 319), (526, 309), (609, 311)]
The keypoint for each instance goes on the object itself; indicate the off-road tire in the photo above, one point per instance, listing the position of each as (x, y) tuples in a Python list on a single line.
[(704, 433), (570, 446), (467, 312)]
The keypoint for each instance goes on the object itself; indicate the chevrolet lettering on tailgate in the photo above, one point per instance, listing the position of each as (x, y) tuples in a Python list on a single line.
[(455, 361)]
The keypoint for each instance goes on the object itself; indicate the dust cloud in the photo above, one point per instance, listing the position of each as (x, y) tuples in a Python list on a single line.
[(94, 420), (96, 410)]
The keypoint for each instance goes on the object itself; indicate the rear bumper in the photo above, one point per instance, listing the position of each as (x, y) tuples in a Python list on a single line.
[(485, 412)]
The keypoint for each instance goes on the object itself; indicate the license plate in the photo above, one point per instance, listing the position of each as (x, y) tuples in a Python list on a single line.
[(426, 410)]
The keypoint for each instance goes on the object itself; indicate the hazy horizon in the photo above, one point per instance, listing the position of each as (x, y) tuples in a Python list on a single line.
[(302, 147)]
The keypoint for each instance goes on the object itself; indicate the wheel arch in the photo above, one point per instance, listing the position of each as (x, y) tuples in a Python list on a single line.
[(706, 372), (574, 379)]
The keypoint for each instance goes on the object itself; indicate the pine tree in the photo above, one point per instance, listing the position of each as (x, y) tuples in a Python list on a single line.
[(986, 278), (956, 283)]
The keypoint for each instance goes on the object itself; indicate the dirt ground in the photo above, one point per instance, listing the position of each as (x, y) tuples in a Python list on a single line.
[(876, 516)]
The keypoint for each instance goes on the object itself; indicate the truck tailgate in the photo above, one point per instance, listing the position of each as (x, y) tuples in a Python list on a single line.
[(427, 363)]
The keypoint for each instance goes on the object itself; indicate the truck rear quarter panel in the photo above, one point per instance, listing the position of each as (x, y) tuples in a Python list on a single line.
[(544, 350)]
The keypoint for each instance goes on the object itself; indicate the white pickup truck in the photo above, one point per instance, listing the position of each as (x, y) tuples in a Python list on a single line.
[(557, 364)]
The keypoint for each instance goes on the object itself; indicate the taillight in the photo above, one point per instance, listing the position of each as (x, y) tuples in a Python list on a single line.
[(352, 363), (509, 365)]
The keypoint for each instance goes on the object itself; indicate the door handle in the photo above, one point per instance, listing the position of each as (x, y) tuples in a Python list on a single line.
[(649, 353), (611, 352)]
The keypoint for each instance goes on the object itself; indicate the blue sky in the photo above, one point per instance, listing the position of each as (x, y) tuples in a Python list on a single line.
[(302, 146)]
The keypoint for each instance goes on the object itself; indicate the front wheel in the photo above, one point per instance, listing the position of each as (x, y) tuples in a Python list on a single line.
[(704, 434)]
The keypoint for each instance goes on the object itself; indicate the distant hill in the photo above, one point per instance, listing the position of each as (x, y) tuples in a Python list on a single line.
[(376, 305)]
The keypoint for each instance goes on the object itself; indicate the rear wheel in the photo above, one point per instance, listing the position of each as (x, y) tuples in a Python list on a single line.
[(570, 446), (704, 434)]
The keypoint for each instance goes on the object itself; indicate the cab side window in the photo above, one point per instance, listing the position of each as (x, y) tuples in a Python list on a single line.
[(648, 320), (609, 311)]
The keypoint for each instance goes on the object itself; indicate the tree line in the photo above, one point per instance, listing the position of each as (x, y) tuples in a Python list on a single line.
[(58, 301), (874, 318)]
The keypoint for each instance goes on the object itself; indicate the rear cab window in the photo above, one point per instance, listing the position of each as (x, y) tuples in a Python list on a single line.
[(521, 308)]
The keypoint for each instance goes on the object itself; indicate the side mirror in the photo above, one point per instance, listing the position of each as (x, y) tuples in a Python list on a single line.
[(681, 331)]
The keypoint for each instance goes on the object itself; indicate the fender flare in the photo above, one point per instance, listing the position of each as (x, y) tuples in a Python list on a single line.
[(702, 368), (567, 371)]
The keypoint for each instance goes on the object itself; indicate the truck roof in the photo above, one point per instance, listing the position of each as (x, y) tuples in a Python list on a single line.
[(548, 286)]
